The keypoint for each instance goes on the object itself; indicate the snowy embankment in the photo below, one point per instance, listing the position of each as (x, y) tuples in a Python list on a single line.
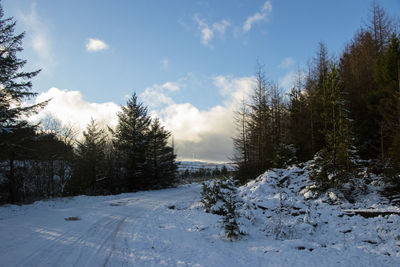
[(170, 228)]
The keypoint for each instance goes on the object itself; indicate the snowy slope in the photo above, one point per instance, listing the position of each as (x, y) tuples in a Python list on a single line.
[(283, 209), (170, 228)]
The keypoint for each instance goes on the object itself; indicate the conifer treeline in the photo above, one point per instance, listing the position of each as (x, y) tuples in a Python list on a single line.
[(38, 162), (136, 156), (339, 107)]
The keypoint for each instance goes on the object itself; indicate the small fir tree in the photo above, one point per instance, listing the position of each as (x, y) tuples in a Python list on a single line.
[(221, 197)]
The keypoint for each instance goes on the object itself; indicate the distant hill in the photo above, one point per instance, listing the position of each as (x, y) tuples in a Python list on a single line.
[(193, 166)]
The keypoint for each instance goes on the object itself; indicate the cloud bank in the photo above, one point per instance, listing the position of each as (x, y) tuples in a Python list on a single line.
[(201, 134), (71, 109)]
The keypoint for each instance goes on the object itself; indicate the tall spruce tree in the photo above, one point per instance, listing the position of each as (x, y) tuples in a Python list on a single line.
[(131, 143), (15, 86)]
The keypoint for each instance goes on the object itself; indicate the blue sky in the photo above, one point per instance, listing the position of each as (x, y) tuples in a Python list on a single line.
[(181, 57)]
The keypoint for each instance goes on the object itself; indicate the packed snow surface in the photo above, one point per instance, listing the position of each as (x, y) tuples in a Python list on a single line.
[(170, 228)]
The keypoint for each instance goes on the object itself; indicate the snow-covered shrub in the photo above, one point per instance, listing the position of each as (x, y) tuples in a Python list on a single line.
[(215, 193), (209, 194), (221, 197), (327, 173), (282, 224), (230, 216)]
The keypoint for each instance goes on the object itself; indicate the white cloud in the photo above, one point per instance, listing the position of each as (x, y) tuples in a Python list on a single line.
[(155, 97), (206, 35), (38, 36), (287, 63), (234, 89), (204, 134), (208, 32), (71, 109), (262, 15), (172, 86), (94, 45)]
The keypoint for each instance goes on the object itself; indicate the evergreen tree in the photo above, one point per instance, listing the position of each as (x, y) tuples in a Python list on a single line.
[(337, 134), (334, 161), (131, 143), (161, 169), (90, 159), (15, 85)]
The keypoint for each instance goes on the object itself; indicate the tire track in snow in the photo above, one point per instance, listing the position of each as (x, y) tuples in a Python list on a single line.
[(113, 237), (64, 246), (96, 239), (107, 235)]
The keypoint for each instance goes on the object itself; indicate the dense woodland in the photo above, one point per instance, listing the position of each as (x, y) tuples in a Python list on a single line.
[(343, 112)]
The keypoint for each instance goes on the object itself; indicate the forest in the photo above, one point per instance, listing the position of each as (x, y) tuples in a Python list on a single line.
[(343, 112)]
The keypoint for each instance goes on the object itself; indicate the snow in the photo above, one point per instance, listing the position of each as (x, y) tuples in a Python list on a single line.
[(170, 228)]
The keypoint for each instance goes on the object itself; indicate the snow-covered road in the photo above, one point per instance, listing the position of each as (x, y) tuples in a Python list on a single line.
[(155, 228), (124, 230)]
